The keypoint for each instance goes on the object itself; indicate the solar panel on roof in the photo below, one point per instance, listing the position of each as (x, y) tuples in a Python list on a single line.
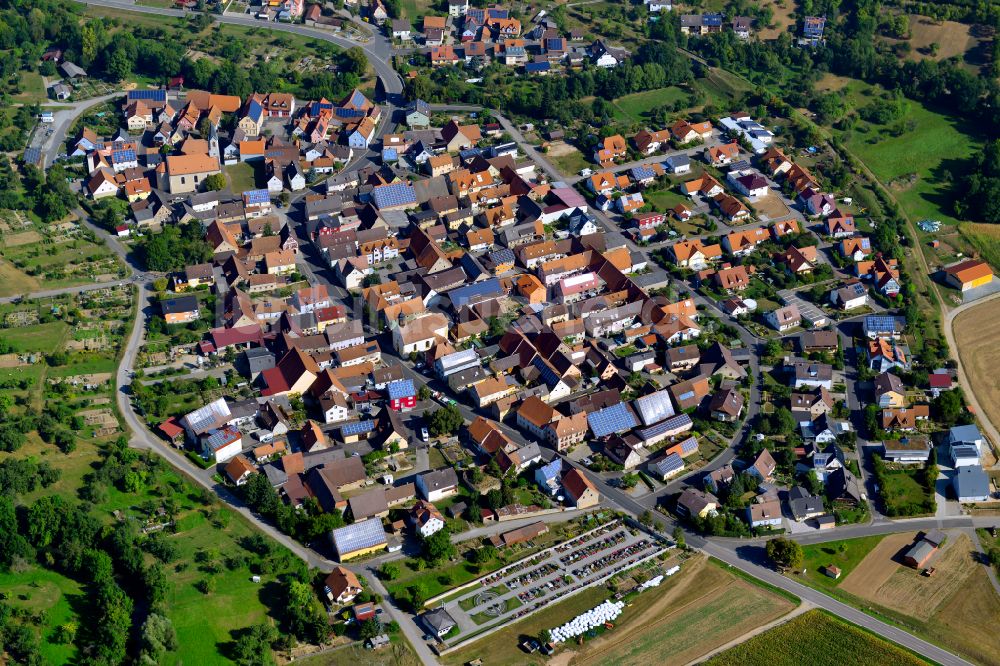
[(552, 469), (402, 388), (614, 419), (396, 194), (359, 536), (357, 428), (257, 196), (666, 426), (548, 375), (671, 463), (689, 445), (123, 155), (155, 95)]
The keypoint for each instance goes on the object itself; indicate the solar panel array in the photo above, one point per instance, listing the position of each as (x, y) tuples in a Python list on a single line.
[(256, 196), (357, 428), (548, 375), (206, 417), (671, 463), (146, 95), (642, 172), (366, 534), (689, 445), (396, 194), (123, 156), (465, 294), (614, 419), (666, 426), (504, 256), (401, 388), (880, 323), (552, 469), (654, 407)]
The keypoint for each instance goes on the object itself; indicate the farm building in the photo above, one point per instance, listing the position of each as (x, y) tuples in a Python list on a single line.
[(971, 484), (968, 274), (919, 554)]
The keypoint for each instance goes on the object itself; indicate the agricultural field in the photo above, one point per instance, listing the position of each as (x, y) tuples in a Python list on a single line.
[(985, 238), (915, 156), (35, 257), (935, 608), (976, 332), (678, 622), (830, 642)]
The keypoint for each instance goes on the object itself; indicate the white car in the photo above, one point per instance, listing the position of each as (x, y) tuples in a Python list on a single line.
[(424, 435)]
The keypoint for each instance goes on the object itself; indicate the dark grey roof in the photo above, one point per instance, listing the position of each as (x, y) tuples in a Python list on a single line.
[(971, 482)]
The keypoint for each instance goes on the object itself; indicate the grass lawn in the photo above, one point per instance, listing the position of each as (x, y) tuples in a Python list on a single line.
[(666, 199), (635, 107), (721, 87), (571, 163), (39, 590), (900, 487), (844, 554), (916, 164), (436, 458), (830, 641), (44, 338), (242, 177), (32, 88)]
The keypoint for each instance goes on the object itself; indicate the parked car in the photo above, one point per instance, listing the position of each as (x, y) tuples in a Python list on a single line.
[(424, 435)]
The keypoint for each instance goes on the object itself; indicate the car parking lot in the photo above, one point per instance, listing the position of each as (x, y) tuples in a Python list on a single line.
[(525, 586)]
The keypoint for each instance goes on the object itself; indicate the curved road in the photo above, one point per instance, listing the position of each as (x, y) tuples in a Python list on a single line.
[(378, 49)]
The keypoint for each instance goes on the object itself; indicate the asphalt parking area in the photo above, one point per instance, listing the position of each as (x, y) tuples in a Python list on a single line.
[(541, 579)]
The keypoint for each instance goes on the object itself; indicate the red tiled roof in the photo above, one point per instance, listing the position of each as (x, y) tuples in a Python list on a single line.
[(171, 428)]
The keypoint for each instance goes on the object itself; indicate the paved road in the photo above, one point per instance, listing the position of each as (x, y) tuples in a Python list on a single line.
[(65, 290), (55, 143), (376, 49)]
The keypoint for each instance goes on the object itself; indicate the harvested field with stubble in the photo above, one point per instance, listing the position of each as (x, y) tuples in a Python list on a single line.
[(881, 577), (976, 333), (937, 608), (681, 624), (910, 592), (878, 566), (816, 639)]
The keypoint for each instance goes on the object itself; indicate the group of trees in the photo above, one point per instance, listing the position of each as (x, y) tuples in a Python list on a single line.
[(979, 193), (47, 193), (305, 525), (174, 248), (785, 553), (444, 421)]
